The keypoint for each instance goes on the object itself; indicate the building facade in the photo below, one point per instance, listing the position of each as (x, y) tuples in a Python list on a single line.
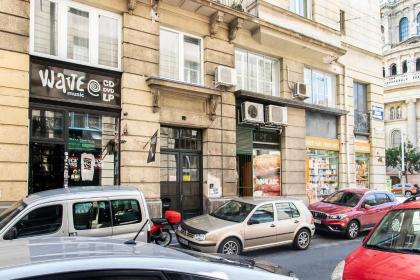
[(400, 36), (92, 85)]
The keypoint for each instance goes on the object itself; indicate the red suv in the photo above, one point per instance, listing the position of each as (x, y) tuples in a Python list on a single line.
[(351, 211), (390, 251)]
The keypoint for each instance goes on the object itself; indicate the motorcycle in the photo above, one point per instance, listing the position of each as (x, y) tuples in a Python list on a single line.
[(159, 232)]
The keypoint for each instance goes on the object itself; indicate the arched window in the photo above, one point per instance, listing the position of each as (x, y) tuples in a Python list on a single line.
[(395, 138), (393, 69), (418, 64), (398, 113), (404, 66), (403, 29), (392, 113), (418, 24)]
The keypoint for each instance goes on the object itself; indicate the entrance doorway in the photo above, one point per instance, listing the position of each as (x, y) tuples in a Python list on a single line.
[(181, 171)]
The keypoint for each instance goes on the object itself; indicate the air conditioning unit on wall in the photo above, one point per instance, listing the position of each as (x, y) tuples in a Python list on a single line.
[(224, 76), (301, 91), (276, 115), (252, 112)]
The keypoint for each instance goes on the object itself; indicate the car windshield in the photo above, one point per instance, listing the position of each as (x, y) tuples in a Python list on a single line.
[(11, 212), (349, 199), (234, 211), (399, 231)]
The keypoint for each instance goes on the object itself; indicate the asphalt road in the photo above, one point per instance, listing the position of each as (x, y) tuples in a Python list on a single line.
[(315, 263)]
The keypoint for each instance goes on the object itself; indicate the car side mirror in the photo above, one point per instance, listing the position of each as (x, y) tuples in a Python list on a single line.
[(366, 206), (253, 222), (11, 234)]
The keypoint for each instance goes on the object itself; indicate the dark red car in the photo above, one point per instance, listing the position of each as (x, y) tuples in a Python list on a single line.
[(351, 211), (390, 251)]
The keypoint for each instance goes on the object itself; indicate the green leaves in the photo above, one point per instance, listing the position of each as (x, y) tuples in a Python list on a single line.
[(412, 158)]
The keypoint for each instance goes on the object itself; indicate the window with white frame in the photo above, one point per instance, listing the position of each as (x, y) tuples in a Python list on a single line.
[(299, 7), (257, 73), (322, 87), (180, 56), (74, 32)]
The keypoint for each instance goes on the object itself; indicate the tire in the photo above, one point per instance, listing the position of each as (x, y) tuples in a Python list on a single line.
[(352, 230), (230, 246), (164, 239), (407, 193), (302, 239)]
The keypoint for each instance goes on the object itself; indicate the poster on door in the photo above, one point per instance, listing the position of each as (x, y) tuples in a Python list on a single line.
[(266, 167)]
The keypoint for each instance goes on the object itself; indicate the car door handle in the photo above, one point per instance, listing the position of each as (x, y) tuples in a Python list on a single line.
[(72, 234), (296, 221), (273, 225)]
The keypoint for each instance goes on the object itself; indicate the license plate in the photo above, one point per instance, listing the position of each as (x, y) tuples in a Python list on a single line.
[(316, 221), (183, 241)]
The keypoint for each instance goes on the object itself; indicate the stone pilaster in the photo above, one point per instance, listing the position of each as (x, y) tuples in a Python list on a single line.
[(411, 121)]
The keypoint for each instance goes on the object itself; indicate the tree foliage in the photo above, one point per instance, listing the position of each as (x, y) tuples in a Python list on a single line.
[(411, 160)]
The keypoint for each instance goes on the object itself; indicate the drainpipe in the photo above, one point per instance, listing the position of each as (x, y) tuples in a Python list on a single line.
[(347, 136)]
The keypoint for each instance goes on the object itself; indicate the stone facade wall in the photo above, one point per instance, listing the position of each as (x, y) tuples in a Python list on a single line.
[(14, 99)]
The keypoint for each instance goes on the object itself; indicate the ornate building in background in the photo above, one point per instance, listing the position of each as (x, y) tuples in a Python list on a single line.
[(401, 48)]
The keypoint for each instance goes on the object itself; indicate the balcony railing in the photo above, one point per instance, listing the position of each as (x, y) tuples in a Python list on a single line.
[(361, 122), (405, 78), (234, 4)]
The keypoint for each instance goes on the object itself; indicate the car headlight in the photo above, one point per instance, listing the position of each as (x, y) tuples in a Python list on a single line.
[(179, 227), (200, 237), (338, 271), (338, 216)]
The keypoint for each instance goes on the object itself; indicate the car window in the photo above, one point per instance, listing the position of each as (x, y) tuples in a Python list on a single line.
[(264, 214), (183, 276), (41, 221), (286, 210), (381, 198), (91, 215), (370, 200), (125, 211)]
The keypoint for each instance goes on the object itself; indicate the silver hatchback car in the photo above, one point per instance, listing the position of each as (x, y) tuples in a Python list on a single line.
[(103, 258), (248, 224)]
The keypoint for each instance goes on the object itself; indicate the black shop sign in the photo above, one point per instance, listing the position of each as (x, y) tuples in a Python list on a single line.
[(75, 84)]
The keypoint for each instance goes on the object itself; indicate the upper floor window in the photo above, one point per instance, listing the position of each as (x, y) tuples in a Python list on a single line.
[(418, 24), (398, 113), (404, 66), (403, 29), (299, 7), (395, 138), (392, 113), (360, 97), (257, 73), (393, 69), (322, 86), (180, 56), (418, 64), (76, 33)]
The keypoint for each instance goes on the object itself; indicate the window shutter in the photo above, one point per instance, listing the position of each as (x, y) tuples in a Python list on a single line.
[(244, 140)]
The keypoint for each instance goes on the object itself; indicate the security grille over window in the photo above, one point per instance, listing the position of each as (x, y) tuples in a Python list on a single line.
[(361, 122)]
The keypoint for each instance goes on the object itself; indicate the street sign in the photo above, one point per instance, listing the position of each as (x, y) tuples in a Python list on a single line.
[(377, 113)]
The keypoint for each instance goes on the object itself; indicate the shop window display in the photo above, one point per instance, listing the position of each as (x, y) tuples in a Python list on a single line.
[(266, 165), (322, 173), (362, 170)]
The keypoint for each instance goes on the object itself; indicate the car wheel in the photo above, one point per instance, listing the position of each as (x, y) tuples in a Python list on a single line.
[(407, 193), (230, 246), (352, 230), (302, 239)]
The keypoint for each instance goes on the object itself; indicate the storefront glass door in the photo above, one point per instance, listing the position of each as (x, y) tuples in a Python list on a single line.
[(180, 171)]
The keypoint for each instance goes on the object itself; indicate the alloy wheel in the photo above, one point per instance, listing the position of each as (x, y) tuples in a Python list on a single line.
[(303, 239), (353, 230), (230, 248)]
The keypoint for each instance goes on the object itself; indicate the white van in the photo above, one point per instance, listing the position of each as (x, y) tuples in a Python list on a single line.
[(108, 211)]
